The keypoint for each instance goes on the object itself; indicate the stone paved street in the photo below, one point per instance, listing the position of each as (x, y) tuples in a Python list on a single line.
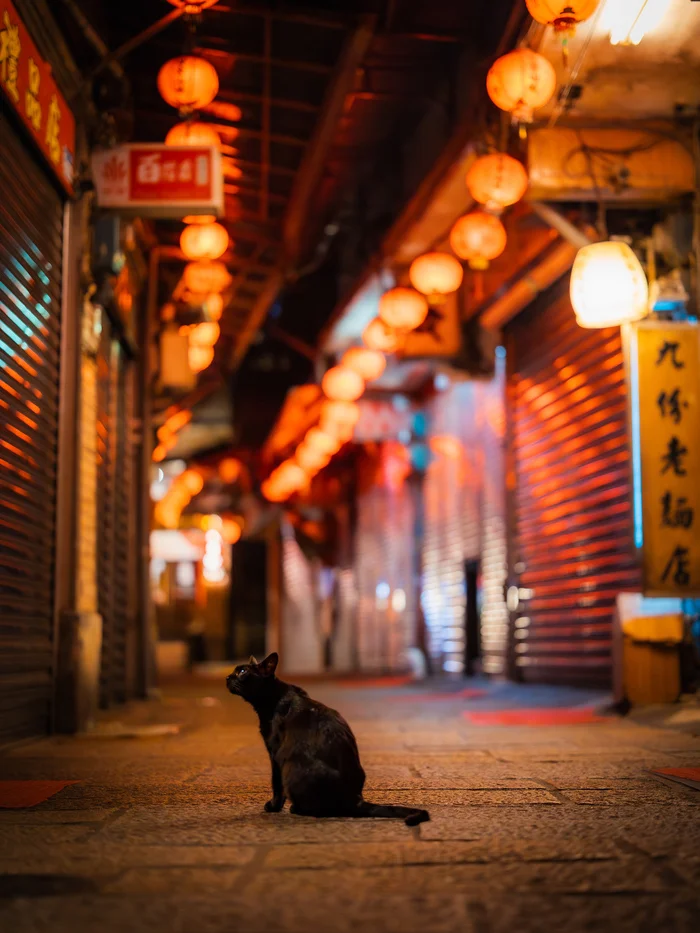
[(534, 828)]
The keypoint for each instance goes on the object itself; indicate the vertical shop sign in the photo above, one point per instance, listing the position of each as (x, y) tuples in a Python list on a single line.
[(665, 400), (27, 83)]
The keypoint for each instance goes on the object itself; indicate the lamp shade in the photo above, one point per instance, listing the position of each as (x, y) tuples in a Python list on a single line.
[(378, 336), (608, 285), (497, 180), (206, 276), (478, 238), (563, 15), (403, 308), (520, 82), (435, 275), (370, 364), (193, 133), (204, 241), (342, 384), (188, 83)]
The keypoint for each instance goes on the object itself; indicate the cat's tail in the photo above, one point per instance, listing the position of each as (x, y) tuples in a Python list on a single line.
[(410, 815)]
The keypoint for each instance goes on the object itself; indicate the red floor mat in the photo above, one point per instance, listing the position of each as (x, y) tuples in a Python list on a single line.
[(534, 717), (471, 693), (688, 776), (18, 794)]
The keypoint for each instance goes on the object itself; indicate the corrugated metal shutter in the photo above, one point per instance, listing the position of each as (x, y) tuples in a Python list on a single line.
[(31, 218), (572, 528)]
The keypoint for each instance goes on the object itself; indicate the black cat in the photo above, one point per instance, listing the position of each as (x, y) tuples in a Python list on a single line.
[(314, 756)]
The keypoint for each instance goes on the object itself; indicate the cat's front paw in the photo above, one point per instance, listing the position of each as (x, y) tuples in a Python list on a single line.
[(274, 805)]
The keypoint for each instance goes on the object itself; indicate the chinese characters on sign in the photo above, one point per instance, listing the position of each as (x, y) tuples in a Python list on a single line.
[(25, 79), (667, 357), (159, 180)]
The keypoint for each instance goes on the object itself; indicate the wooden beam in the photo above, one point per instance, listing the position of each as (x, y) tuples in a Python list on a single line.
[(257, 315), (316, 153)]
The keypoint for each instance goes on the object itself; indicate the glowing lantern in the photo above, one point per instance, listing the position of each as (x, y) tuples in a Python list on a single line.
[(204, 241), (403, 308), (310, 459), (342, 384), (564, 15), (213, 307), (199, 219), (435, 275), (188, 83), (370, 364), (497, 181), (377, 336), (205, 334), (230, 530), (200, 358), (520, 82), (193, 133), (339, 416), (230, 470), (478, 238), (272, 491), (193, 7), (192, 481), (320, 440), (628, 21), (289, 476), (206, 276), (608, 285)]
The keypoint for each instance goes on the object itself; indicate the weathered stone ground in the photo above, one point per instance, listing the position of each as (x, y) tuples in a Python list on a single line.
[(533, 828)]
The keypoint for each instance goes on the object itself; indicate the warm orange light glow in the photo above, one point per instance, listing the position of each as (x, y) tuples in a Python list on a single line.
[(200, 358), (342, 384), (478, 238), (310, 459), (520, 82), (188, 83), (322, 441), (192, 481), (205, 334), (436, 275), (206, 276), (193, 7), (160, 453), (214, 307), (230, 530), (230, 470), (403, 308), (287, 479), (204, 241), (193, 133), (199, 219), (608, 285), (370, 364), (273, 492), (338, 416), (377, 336), (564, 15), (497, 180), (447, 445)]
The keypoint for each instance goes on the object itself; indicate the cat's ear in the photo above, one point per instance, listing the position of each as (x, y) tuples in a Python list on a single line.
[(269, 665), (252, 660)]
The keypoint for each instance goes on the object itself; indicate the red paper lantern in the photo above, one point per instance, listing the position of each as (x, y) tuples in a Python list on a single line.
[(377, 336), (230, 530), (199, 219), (370, 364), (188, 83), (342, 384), (478, 238), (205, 334), (339, 416), (193, 7), (206, 277), (563, 15), (322, 441), (497, 181), (310, 459), (403, 308), (192, 133), (435, 275), (520, 82), (204, 241)]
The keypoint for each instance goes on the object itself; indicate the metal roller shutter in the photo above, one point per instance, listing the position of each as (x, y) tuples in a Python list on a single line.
[(31, 221), (571, 515)]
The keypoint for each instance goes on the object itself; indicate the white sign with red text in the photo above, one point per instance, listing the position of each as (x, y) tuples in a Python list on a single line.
[(155, 180)]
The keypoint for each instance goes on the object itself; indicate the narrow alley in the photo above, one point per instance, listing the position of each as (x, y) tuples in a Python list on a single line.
[(533, 827)]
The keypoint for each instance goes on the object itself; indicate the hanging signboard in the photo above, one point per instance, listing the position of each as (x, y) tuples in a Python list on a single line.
[(27, 83), (155, 180), (438, 335), (665, 403)]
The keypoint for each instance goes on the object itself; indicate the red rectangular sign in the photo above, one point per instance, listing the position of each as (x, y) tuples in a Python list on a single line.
[(26, 81), (159, 180)]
